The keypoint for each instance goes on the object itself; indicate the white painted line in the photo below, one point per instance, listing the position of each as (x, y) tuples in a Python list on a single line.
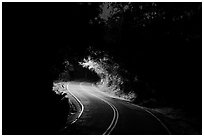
[(112, 125), (108, 94), (150, 114), (115, 115), (82, 107), (154, 117)]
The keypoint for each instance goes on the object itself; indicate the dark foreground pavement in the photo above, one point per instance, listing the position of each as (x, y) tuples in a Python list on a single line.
[(103, 114)]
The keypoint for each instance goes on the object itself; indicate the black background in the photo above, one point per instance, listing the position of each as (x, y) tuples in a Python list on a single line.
[(38, 36)]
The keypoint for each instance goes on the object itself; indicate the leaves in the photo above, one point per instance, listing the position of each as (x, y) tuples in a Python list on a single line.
[(108, 71)]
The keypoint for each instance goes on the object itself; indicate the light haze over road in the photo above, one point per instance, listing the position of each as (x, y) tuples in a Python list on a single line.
[(102, 114)]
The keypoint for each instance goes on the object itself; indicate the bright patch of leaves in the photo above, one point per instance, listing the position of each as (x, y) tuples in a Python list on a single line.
[(108, 71)]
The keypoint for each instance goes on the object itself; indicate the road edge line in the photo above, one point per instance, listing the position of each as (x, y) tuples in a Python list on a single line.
[(154, 117), (82, 107), (115, 114)]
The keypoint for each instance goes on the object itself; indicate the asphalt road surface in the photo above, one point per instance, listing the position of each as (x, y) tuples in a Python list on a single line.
[(99, 113)]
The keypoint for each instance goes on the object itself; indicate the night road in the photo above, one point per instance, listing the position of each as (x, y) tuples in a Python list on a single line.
[(102, 68), (99, 113)]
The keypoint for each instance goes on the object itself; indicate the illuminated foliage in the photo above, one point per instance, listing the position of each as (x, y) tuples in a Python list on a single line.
[(138, 14), (108, 71)]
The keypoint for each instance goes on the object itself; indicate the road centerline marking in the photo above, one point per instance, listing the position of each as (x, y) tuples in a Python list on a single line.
[(115, 115), (162, 124)]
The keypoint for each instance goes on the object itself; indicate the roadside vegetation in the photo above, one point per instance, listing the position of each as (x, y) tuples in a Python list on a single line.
[(147, 54)]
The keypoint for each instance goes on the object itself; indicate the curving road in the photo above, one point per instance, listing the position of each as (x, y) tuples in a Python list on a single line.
[(99, 113)]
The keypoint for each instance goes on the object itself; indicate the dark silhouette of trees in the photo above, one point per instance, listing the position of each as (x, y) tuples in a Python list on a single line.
[(160, 44)]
